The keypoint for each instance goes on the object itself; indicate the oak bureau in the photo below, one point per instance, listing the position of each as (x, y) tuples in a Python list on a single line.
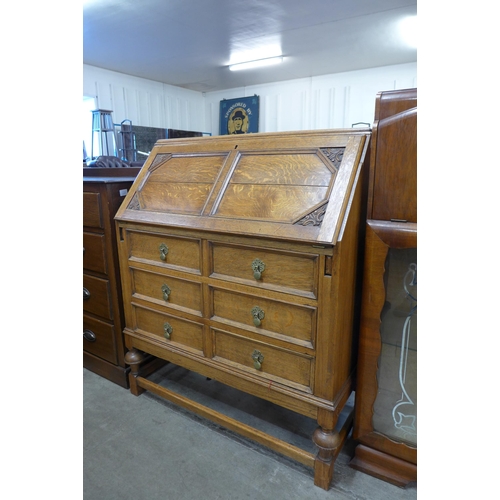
[(239, 261)]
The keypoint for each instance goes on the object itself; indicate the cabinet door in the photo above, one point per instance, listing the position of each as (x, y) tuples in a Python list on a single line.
[(386, 397)]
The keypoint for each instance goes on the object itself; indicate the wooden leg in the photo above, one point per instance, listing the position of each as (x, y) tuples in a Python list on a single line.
[(329, 437), (141, 365), (134, 358), (327, 442)]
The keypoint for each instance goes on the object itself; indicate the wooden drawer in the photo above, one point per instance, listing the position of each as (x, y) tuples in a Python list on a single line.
[(92, 215), (182, 294), (97, 296), (278, 365), (181, 253), (103, 334), (289, 272), (94, 253), (183, 333), (279, 318)]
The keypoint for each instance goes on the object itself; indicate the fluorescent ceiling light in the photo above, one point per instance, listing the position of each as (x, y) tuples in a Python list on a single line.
[(408, 29), (256, 64)]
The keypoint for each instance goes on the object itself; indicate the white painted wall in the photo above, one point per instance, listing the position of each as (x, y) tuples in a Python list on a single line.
[(144, 102), (330, 101)]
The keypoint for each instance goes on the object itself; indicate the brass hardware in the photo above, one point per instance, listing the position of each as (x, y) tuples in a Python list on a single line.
[(86, 294), (166, 292), (163, 251), (89, 335), (167, 329), (258, 359), (258, 268), (258, 315)]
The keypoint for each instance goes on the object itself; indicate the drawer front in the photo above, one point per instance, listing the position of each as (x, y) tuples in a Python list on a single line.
[(283, 271), (176, 331), (274, 364), (92, 215), (97, 296), (94, 254), (171, 251), (260, 314), (98, 338), (166, 290)]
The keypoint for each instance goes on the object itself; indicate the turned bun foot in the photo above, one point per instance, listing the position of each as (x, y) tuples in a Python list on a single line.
[(134, 358), (327, 442)]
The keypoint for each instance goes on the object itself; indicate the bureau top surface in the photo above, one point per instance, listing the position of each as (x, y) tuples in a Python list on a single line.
[(291, 186)]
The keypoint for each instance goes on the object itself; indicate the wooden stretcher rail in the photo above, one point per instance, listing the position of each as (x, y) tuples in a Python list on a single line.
[(247, 431)]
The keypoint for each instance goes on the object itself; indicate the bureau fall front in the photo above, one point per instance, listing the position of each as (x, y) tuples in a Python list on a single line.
[(239, 260)]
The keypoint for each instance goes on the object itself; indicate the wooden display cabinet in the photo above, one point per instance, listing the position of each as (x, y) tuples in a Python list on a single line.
[(239, 261), (385, 423)]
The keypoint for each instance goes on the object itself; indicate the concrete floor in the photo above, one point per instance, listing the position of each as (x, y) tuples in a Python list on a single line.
[(146, 448)]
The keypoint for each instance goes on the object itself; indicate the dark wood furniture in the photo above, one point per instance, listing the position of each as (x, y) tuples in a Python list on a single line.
[(385, 423), (103, 348), (239, 260)]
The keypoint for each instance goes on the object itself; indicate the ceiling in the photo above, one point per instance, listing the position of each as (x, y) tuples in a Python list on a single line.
[(189, 43)]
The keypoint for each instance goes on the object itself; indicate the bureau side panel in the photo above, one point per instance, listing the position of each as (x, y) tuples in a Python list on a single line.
[(339, 299)]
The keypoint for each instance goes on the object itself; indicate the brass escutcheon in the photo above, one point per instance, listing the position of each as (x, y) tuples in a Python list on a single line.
[(258, 268), (165, 290), (258, 315), (163, 251), (258, 359), (167, 330)]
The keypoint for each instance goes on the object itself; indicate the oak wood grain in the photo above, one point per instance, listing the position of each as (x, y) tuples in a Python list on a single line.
[(285, 331), (181, 253), (186, 334), (286, 271)]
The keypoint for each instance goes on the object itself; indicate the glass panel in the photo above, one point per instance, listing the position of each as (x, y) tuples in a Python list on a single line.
[(395, 408)]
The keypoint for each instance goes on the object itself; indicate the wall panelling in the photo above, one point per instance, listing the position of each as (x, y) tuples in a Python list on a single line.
[(323, 102)]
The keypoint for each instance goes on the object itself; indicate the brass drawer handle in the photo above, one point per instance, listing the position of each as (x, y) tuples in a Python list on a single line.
[(258, 315), (86, 294), (258, 359), (163, 251), (258, 268), (167, 330), (165, 290), (89, 335)]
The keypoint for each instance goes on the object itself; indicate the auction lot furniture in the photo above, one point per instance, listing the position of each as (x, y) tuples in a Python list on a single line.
[(385, 422), (239, 261), (103, 348)]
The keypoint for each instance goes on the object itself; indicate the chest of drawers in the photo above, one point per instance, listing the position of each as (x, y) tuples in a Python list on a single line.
[(239, 261), (103, 346)]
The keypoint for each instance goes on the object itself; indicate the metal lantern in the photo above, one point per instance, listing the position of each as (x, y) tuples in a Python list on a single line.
[(103, 134)]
